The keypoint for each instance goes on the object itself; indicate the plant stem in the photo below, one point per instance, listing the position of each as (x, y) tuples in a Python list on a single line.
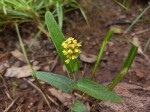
[(27, 60), (138, 17), (147, 45), (101, 52)]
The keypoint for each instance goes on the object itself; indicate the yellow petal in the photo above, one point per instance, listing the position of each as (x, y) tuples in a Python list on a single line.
[(79, 44), (67, 61), (76, 50), (65, 52), (73, 57), (72, 46), (74, 41), (70, 51)]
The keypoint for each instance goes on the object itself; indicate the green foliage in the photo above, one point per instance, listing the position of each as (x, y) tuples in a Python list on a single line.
[(78, 106), (84, 85), (67, 85), (61, 82), (20, 11), (123, 3), (60, 14), (126, 66), (58, 38), (15, 84), (96, 91)]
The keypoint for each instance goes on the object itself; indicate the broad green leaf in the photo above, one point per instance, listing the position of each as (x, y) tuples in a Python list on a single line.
[(61, 82), (126, 66), (78, 107), (57, 37), (97, 91)]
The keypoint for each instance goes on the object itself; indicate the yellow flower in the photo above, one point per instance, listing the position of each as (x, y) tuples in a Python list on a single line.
[(73, 57), (65, 52), (77, 50), (71, 49), (67, 61)]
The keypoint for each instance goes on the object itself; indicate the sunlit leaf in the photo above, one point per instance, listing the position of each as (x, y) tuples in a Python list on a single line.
[(58, 38), (97, 91), (78, 107), (61, 82)]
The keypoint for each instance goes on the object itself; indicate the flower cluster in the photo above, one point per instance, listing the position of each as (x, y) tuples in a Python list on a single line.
[(71, 49)]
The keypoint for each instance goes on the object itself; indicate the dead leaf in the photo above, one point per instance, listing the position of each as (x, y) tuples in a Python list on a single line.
[(20, 72), (18, 55), (58, 95), (87, 105), (139, 73), (137, 43), (2, 70), (110, 44), (140, 51), (68, 96), (4, 56), (86, 57)]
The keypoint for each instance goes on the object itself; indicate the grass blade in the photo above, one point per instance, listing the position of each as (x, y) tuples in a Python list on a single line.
[(147, 46), (60, 14), (126, 66), (4, 9), (83, 13), (137, 19), (101, 52), (28, 62)]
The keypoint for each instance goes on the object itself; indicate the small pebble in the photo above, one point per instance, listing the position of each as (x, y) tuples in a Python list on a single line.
[(35, 63), (87, 38), (93, 43), (51, 47), (34, 91), (23, 86)]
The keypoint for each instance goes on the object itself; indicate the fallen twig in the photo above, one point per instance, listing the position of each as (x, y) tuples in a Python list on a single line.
[(140, 32), (33, 85), (12, 103), (7, 91), (54, 64)]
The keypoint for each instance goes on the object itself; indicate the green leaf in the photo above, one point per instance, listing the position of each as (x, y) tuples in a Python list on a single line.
[(126, 66), (101, 51), (97, 91), (61, 82), (78, 107), (58, 38)]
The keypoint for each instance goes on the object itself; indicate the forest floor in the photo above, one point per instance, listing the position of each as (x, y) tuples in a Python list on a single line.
[(104, 14)]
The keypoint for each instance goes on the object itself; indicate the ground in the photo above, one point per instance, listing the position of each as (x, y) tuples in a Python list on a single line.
[(102, 15)]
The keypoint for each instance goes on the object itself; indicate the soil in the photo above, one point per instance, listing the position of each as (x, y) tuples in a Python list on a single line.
[(102, 15)]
